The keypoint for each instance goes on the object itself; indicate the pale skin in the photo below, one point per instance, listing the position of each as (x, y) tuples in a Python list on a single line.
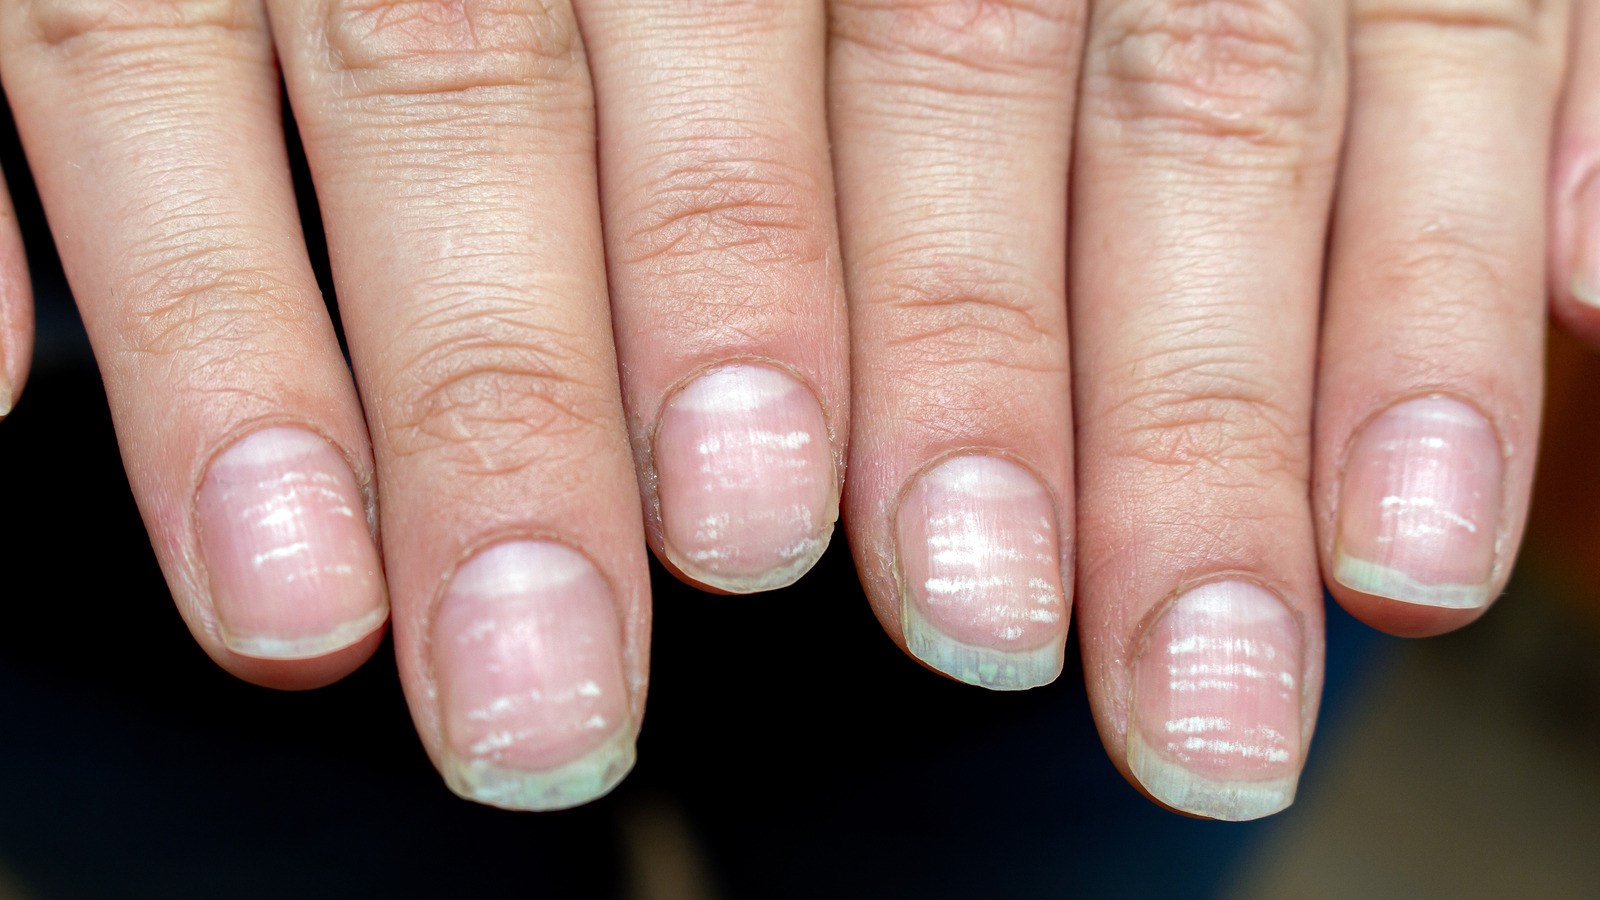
[(824, 261)]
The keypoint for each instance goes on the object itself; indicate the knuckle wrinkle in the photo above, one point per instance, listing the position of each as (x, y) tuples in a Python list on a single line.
[(1254, 69), (986, 35), (56, 22), (451, 46)]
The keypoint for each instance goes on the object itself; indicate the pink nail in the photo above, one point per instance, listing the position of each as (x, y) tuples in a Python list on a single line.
[(1585, 276), (527, 653), (293, 569), (1420, 504), (745, 479), (1214, 728), (980, 569)]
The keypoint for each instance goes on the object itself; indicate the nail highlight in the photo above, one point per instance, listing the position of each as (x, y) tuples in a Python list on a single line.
[(1584, 283), (1214, 724), (1419, 506), (745, 479), (533, 704), (293, 570), (980, 574)]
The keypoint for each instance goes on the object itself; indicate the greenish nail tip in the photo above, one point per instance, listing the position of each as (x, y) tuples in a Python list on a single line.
[(770, 580), (264, 647), (986, 667), (1393, 584), (588, 778), (1181, 789)]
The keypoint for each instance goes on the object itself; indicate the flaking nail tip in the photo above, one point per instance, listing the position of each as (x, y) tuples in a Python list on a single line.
[(770, 580), (1393, 584), (1227, 801), (985, 667), (592, 776), (309, 647)]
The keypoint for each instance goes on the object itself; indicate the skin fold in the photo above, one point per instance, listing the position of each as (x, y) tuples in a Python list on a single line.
[(1172, 311)]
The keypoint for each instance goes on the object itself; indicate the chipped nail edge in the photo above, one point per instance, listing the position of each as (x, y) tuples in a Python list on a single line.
[(309, 647), (1181, 789), (986, 667), (1393, 584), (587, 778)]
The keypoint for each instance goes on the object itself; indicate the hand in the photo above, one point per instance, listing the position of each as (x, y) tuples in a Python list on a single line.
[(449, 144)]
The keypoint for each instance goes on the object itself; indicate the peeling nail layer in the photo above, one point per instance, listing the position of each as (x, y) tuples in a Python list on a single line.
[(745, 479), (980, 571), (527, 653), (293, 570), (1215, 723), (1419, 506)]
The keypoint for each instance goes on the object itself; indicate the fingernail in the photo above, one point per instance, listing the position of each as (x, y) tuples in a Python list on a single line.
[(1214, 725), (980, 571), (745, 479), (1419, 506), (527, 654), (1585, 283), (294, 572)]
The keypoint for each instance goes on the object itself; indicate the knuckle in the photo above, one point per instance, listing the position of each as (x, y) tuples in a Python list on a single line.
[(989, 315), (723, 213), (59, 22), (1256, 70), (212, 302), (1519, 18), (985, 35), (1212, 414), (424, 47), (492, 396)]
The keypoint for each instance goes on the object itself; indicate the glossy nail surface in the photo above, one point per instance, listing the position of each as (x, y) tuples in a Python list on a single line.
[(1419, 506), (745, 479), (1215, 727), (980, 573), (1585, 276), (293, 570), (527, 654)]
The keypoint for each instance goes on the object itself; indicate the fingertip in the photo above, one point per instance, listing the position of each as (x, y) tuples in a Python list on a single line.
[(1401, 618), (299, 674)]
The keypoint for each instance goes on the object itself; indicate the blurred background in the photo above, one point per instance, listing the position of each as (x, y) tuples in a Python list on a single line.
[(131, 767)]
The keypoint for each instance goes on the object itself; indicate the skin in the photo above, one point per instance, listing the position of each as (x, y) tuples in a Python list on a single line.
[(527, 319)]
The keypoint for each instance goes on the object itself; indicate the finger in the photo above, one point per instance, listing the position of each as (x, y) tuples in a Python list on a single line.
[(1207, 139), (1574, 187), (725, 282), (16, 309), (154, 134), (453, 150), (960, 493), (1428, 406)]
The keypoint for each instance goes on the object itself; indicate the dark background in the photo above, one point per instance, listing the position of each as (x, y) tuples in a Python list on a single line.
[(789, 750)]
